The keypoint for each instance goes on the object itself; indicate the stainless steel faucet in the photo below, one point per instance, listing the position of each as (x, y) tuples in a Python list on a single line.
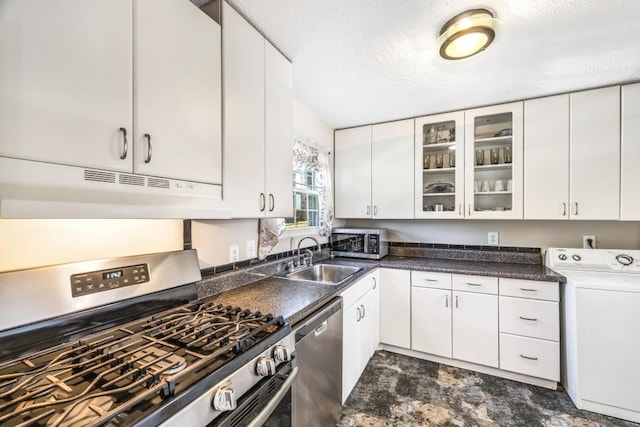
[(308, 250)]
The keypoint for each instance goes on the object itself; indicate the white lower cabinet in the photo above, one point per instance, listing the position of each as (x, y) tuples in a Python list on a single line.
[(360, 331), (530, 328), (475, 328), (431, 321), (395, 307)]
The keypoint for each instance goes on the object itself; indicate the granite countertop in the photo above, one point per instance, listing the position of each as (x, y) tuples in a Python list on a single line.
[(294, 300)]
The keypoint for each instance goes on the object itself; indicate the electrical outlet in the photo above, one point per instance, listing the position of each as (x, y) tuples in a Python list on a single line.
[(234, 253), (251, 249), (589, 242), (493, 238)]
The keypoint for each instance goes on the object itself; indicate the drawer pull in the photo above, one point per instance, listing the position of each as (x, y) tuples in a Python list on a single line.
[(528, 357), (474, 284), (528, 290), (529, 319), (430, 280)]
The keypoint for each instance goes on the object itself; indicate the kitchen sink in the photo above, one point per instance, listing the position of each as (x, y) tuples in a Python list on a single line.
[(329, 274)]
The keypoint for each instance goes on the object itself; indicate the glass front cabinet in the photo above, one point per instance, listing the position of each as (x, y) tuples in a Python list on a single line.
[(494, 159), (439, 182), (469, 164)]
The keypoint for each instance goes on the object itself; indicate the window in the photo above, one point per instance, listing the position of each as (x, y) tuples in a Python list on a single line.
[(306, 203)]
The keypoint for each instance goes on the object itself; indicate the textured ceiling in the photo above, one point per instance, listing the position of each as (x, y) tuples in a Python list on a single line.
[(365, 61)]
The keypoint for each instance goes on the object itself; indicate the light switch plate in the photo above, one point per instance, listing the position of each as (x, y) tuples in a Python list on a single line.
[(251, 249), (234, 253), (493, 238)]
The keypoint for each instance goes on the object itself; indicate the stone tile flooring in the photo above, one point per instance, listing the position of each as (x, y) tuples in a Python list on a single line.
[(397, 390)]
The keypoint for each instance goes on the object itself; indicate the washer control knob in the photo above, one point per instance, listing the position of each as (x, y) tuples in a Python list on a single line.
[(576, 257), (265, 367), (224, 399), (281, 353), (562, 257), (624, 259)]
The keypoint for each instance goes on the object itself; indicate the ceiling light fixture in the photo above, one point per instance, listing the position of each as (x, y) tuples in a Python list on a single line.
[(468, 33)]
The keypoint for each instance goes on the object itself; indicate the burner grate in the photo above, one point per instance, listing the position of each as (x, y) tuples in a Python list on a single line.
[(130, 369)]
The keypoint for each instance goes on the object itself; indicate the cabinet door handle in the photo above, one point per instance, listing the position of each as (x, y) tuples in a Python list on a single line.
[(263, 202), (125, 144), (528, 357), (576, 205), (375, 210), (359, 314), (364, 313), (530, 319), (460, 209), (272, 202), (456, 301), (375, 282), (446, 301), (368, 210), (148, 138), (528, 290), (564, 209), (469, 209), (473, 284)]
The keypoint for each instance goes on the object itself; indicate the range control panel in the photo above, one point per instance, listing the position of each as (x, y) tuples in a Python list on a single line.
[(106, 280)]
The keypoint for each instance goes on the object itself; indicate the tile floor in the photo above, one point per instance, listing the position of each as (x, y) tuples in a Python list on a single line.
[(397, 390)]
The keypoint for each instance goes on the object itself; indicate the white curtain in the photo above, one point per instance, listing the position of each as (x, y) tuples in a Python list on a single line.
[(310, 155)]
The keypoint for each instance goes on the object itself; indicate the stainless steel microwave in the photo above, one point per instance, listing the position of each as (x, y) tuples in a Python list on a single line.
[(368, 243)]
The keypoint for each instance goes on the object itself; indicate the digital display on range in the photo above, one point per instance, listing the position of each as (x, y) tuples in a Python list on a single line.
[(116, 274), (105, 280)]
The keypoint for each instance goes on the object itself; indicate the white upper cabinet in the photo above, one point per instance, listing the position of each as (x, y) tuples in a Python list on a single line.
[(392, 170), (87, 93), (66, 82), (595, 154), (630, 190), (177, 92), (439, 166), (374, 171), (278, 133), (353, 172), (494, 162), (258, 117), (546, 158)]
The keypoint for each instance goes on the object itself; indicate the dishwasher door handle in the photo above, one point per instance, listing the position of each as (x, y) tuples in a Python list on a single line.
[(320, 329)]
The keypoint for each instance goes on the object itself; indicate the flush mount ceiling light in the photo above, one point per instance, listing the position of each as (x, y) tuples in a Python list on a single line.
[(468, 33)]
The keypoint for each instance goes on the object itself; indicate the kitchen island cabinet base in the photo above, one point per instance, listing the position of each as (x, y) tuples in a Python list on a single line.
[(540, 382)]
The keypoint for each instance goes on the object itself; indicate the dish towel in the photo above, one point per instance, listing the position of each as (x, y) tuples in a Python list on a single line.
[(270, 230)]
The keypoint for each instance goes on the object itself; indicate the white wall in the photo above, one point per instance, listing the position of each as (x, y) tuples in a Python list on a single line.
[(213, 238), (544, 234), (28, 243)]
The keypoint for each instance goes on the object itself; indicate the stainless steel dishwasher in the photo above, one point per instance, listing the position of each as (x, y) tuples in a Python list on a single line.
[(317, 390)]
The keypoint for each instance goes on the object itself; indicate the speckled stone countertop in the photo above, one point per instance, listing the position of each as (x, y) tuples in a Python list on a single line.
[(261, 289), (480, 268)]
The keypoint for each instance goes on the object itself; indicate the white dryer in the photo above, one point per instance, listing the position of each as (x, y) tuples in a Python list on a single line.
[(600, 328)]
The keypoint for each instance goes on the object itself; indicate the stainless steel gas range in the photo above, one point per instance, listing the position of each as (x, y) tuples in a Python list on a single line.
[(124, 342)]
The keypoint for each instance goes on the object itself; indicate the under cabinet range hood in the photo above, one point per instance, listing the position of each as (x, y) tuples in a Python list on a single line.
[(33, 189)]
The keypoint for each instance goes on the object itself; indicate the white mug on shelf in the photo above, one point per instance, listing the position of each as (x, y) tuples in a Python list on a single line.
[(485, 187), (510, 185), (499, 185), (476, 186)]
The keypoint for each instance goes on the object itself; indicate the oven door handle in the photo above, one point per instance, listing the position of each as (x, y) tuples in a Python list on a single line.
[(262, 417)]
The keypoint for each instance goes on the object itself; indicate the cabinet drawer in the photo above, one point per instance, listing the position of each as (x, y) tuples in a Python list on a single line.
[(530, 318), (530, 356), (426, 279), (355, 291), (480, 284), (533, 289)]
